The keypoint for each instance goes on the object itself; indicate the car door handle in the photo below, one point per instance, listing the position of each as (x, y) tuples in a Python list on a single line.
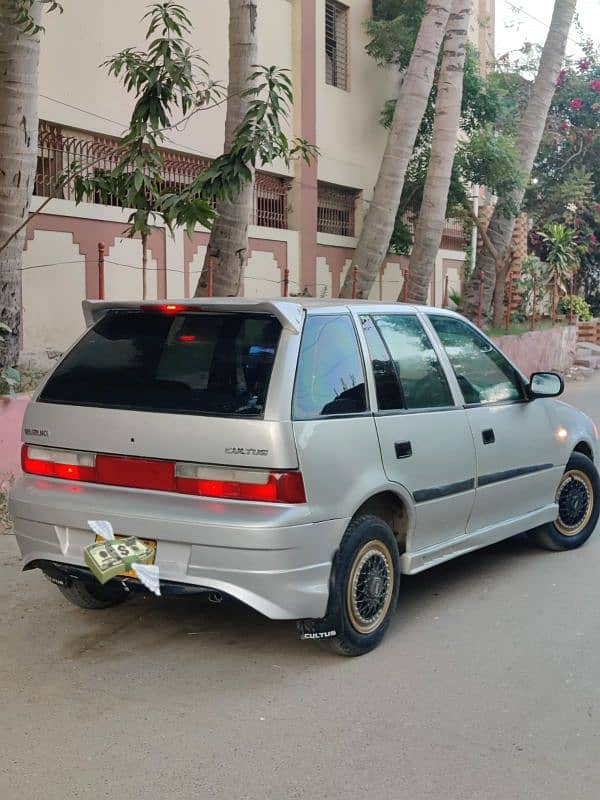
[(488, 436), (403, 449)]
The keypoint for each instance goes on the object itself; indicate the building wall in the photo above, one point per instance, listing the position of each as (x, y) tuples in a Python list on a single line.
[(61, 259)]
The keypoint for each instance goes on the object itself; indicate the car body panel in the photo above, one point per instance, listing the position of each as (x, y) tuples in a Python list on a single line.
[(440, 472)]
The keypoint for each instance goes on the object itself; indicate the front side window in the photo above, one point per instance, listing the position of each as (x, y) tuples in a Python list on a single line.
[(484, 375), (330, 379), (424, 384)]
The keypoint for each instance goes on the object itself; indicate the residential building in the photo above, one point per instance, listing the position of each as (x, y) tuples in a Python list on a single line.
[(306, 218)]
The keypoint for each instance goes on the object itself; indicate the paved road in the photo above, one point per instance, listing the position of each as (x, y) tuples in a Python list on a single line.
[(487, 688)]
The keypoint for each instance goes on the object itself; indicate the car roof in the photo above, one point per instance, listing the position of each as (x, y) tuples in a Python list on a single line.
[(289, 311)]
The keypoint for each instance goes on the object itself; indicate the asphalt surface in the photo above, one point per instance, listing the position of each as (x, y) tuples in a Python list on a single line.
[(486, 688)]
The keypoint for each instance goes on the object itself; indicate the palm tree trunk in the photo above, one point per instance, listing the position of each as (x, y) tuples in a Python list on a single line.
[(228, 243), (410, 107), (531, 129), (19, 59), (432, 218)]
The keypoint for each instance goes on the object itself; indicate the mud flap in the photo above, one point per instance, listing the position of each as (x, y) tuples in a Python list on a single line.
[(324, 628)]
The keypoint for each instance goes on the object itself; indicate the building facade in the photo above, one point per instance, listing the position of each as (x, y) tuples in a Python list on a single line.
[(306, 218)]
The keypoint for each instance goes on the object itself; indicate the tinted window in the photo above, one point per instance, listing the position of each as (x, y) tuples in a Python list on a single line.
[(330, 378), (389, 394), (484, 375), (191, 363), (423, 382)]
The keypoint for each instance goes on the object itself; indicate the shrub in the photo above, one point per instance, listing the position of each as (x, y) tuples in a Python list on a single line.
[(581, 309)]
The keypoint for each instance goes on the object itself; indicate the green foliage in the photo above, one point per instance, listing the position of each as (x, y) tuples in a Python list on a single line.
[(393, 30), (21, 17), (566, 189), (535, 280), (581, 309), (489, 158), (169, 77), (455, 297), (561, 253)]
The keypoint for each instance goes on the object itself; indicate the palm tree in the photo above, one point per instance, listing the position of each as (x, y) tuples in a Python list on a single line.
[(432, 217), (228, 243), (411, 104), (493, 260), (19, 59)]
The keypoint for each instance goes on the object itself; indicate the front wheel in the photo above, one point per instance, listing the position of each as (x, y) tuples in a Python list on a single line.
[(578, 500), (365, 586)]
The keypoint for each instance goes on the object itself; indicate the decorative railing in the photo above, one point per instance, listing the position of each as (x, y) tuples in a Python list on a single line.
[(59, 153)]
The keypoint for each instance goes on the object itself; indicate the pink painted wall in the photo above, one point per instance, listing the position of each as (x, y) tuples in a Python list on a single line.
[(536, 351), (12, 410)]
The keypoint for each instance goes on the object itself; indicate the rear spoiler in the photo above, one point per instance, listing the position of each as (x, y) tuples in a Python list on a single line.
[(288, 313)]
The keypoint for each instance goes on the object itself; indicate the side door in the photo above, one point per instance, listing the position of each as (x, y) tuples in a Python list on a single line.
[(514, 438), (425, 438)]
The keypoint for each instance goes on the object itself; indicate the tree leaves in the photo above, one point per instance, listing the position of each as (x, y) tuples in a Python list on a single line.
[(171, 75), (22, 18)]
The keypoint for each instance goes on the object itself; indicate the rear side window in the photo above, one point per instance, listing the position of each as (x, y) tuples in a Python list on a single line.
[(215, 364), (423, 381), (330, 377)]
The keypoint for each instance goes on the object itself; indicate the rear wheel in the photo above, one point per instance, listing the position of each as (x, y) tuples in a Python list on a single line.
[(89, 596), (365, 585), (577, 498)]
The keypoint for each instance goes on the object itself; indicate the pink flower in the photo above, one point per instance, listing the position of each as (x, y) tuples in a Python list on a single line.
[(564, 126), (584, 65), (578, 222), (595, 85), (593, 239), (576, 104), (561, 77)]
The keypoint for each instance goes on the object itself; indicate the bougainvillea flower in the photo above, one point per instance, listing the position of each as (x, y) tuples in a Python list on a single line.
[(576, 103)]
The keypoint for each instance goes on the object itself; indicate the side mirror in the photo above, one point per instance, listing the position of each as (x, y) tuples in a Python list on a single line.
[(545, 384)]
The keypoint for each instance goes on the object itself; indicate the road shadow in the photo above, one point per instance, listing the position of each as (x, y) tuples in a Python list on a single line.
[(148, 624)]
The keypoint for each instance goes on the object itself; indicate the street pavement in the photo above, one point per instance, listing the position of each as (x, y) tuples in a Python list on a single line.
[(486, 688)]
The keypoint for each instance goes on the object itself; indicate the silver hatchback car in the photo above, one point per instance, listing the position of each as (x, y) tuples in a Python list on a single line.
[(296, 455)]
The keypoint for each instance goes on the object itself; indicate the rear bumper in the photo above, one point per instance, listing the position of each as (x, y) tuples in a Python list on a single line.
[(269, 557)]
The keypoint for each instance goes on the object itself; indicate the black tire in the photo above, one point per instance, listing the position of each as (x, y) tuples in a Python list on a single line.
[(98, 597), (578, 496), (360, 614)]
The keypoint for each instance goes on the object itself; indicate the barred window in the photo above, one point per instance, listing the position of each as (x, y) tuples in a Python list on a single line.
[(271, 200), (336, 44), (336, 209)]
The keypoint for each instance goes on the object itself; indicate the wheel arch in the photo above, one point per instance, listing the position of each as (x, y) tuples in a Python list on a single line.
[(585, 449), (393, 509)]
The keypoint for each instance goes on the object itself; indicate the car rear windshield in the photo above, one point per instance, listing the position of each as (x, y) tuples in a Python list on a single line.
[(190, 363)]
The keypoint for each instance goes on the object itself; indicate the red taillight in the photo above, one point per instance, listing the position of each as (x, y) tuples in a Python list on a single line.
[(58, 464), (286, 487), (187, 339), (165, 476)]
